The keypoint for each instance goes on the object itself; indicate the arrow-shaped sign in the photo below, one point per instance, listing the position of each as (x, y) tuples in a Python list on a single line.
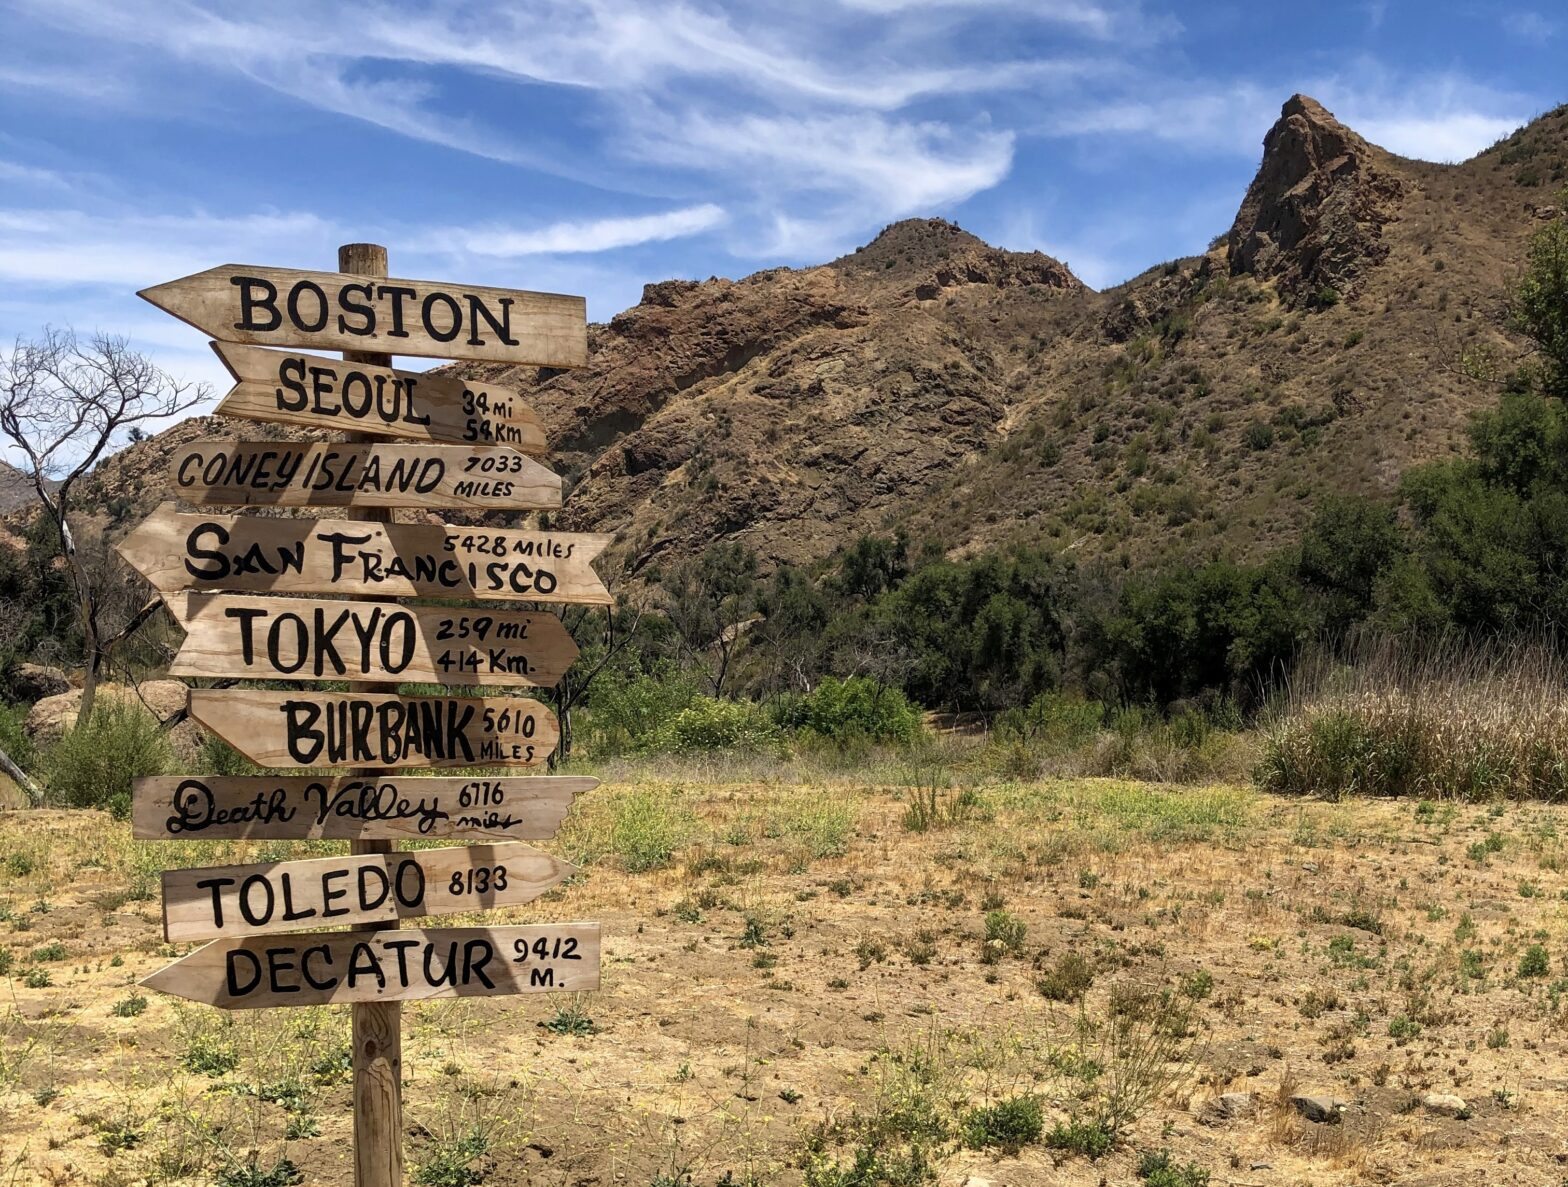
[(319, 968), (358, 729), (286, 387), (351, 807), (337, 311), (313, 474), (251, 554), (220, 902), (232, 635)]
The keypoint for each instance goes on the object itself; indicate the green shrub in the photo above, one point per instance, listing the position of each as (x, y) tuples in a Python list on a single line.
[(626, 712), (858, 707), (709, 724), (14, 738), (449, 1162), (1004, 935), (1159, 1169), (92, 767), (1534, 962), (1057, 721), (1067, 980), (1009, 1125), (1089, 1138), (645, 829)]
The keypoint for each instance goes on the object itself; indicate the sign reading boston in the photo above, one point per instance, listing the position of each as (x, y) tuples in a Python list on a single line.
[(307, 389), (337, 311), (304, 474), (336, 729), (351, 807), (254, 555)]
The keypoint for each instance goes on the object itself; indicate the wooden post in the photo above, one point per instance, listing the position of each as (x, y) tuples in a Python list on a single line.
[(378, 1026)]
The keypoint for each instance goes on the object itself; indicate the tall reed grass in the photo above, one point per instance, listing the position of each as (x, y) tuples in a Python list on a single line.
[(1451, 718)]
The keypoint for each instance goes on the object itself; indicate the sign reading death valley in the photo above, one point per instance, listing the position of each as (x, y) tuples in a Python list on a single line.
[(336, 311), (249, 554), (268, 638), (318, 968), (351, 807), (311, 474), (338, 729), (307, 389), (282, 896)]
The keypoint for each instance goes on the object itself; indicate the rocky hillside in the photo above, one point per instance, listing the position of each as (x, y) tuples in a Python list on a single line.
[(1342, 328)]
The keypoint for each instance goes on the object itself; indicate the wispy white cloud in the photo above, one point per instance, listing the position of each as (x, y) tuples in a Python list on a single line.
[(1528, 25), (564, 238)]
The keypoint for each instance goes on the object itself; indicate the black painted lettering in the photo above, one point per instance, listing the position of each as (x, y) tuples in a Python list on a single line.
[(232, 961), (296, 315), (364, 310), (397, 293), (251, 303), (502, 328), (453, 315)]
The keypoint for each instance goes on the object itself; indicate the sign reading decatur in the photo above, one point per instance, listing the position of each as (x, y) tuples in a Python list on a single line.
[(251, 554), (318, 968), (337, 311), (354, 729), (312, 474), (283, 896), (351, 807), (232, 635), (286, 387)]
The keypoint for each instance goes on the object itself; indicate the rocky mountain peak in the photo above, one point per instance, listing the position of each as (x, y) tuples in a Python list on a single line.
[(1313, 216)]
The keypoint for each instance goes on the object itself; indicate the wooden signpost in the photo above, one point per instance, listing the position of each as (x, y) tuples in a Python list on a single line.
[(300, 474), (249, 554), (322, 393), (456, 444), (348, 807), (228, 635), (336, 311)]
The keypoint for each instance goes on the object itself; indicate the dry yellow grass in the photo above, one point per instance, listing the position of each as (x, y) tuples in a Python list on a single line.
[(803, 966)]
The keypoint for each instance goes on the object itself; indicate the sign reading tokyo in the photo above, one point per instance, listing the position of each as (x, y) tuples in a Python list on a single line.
[(249, 554), (337, 311), (318, 968), (351, 807), (231, 635), (307, 389), (221, 901), (337, 729), (303, 474)]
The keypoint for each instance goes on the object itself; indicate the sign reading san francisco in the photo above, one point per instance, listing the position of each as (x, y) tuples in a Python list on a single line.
[(286, 387), (335, 729), (318, 968), (248, 554), (232, 635), (337, 311), (351, 807)]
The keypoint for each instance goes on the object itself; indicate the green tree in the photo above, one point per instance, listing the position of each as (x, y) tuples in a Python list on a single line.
[(1540, 303)]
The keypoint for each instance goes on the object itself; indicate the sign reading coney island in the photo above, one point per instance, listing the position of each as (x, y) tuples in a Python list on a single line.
[(233, 635), (311, 474), (286, 387), (319, 968), (352, 807), (280, 896), (248, 554), (336, 729), (337, 311)]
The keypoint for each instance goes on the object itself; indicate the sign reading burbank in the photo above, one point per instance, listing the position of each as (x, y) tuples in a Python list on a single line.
[(286, 387), (283, 896), (310, 474), (336, 729), (337, 311), (318, 968), (266, 638), (251, 554), (351, 807)]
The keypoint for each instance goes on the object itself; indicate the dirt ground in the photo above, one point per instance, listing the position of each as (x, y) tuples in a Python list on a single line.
[(793, 974)]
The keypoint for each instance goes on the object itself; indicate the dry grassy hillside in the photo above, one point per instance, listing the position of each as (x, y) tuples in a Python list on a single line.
[(981, 396)]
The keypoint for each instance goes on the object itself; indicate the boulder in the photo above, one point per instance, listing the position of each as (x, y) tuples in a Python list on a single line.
[(1324, 1110), (1444, 1104), (1228, 1107), (34, 682), (51, 717)]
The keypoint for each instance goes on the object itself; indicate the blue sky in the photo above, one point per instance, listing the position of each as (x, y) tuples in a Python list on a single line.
[(590, 146)]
